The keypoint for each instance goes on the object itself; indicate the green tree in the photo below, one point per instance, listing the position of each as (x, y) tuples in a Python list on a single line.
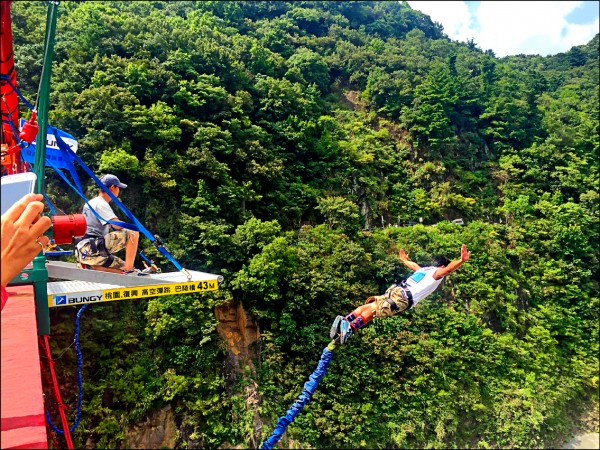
[(340, 214)]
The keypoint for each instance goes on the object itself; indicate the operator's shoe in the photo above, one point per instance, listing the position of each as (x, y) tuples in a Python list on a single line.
[(345, 331), (335, 328), (150, 269), (132, 272)]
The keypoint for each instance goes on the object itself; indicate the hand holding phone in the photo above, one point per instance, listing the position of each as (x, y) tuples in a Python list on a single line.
[(14, 187)]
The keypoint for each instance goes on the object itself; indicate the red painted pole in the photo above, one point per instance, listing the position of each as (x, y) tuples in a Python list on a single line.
[(61, 406), (10, 102)]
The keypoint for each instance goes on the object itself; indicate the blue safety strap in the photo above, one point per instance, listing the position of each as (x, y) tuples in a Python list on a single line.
[(58, 253), (52, 210), (7, 79), (68, 159), (8, 112), (64, 147), (145, 258), (12, 125), (14, 130), (113, 222)]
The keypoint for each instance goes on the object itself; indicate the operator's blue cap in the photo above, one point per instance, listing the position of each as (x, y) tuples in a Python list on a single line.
[(109, 180)]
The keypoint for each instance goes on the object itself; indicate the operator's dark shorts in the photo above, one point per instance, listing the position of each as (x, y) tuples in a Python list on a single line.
[(383, 308), (113, 242)]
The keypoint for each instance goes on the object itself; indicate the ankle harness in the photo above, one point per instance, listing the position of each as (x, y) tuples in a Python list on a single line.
[(357, 323)]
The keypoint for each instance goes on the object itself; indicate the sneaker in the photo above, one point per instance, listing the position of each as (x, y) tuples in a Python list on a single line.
[(345, 331), (335, 328)]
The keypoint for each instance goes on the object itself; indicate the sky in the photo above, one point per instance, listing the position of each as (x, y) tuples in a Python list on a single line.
[(511, 28)]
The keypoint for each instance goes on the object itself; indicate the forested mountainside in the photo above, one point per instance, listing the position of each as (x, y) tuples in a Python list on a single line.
[(294, 148)]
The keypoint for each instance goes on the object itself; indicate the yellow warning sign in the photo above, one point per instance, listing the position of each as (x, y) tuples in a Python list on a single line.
[(131, 293)]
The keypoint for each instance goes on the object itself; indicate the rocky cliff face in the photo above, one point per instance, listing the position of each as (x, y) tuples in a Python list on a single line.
[(157, 431), (241, 334), (239, 331)]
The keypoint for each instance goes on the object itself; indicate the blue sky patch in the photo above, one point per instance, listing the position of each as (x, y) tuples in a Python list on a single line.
[(584, 14)]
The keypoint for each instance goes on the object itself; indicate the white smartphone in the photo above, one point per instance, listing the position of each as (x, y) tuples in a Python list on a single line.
[(14, 187)]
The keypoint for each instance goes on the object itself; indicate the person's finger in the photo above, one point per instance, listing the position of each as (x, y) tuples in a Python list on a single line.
[(44, 240), (28, 215), (41, 226), (32, 210), (38, 244), (15, 211), (34, 249)]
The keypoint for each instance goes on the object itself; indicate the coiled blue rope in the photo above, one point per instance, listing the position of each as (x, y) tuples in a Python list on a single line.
[(79, 382), (303, 399)]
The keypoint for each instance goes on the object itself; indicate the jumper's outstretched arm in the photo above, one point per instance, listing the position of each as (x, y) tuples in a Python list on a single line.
[(410, 264), (443, 271)]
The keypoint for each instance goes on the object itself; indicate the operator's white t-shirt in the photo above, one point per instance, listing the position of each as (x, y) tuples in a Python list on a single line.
[(421, 283)]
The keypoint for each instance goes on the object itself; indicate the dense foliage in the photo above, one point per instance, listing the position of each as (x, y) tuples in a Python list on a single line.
[(286, 145)]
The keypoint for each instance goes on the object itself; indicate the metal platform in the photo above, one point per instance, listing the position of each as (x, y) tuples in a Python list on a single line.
[(91, 286)]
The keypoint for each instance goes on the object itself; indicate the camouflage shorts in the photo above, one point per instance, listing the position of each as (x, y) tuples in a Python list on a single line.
[(395, 294), (113, 242)]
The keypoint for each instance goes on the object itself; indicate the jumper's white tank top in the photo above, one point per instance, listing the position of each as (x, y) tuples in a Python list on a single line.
[(421, 283)]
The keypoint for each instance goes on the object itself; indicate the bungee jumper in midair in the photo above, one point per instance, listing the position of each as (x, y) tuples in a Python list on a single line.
[(398, 297)]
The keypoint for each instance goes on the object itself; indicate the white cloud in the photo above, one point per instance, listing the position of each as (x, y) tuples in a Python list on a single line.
[(581, 34), (454, 16), (509, 27)]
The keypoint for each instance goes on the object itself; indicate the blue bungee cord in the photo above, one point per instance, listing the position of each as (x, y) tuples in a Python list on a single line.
[(79, 381), (309, 388)]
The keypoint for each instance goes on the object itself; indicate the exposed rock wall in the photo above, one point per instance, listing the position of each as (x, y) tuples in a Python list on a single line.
[(241, 334), (239, 331), (157, 431)]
